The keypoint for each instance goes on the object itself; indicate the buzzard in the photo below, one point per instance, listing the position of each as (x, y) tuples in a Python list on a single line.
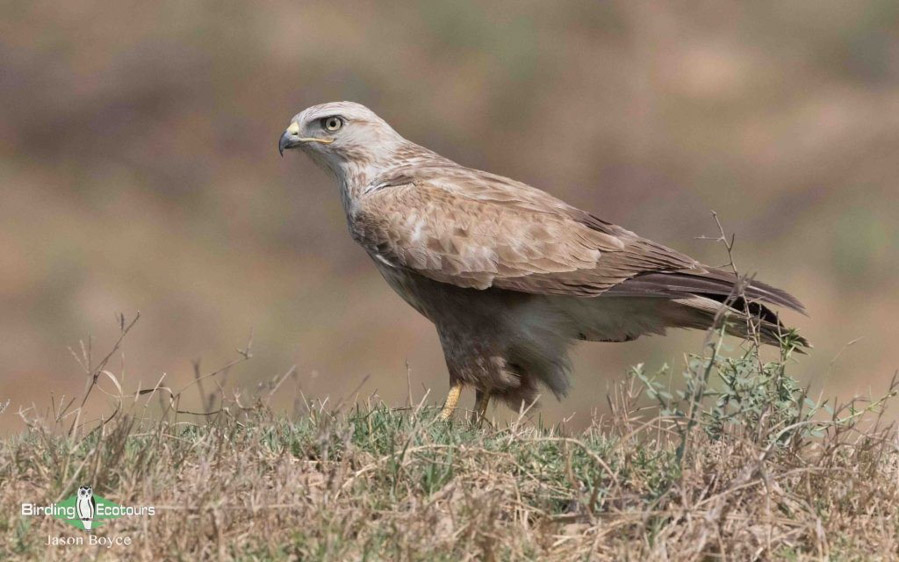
[(509, 275)]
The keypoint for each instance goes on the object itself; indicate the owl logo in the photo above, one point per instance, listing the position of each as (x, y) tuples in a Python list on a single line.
[(85, 506)]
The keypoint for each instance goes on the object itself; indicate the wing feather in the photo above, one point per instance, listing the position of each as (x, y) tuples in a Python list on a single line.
[(495, 240)]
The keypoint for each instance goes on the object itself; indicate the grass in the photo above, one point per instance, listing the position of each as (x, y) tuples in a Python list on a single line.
[(728, 459)]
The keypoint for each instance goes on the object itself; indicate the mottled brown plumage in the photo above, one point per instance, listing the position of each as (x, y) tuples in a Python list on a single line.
[(508, 274)]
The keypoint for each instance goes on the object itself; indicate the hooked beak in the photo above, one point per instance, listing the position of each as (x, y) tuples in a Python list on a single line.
[(292, 139)]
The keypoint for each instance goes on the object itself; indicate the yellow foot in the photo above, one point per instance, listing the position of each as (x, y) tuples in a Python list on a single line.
[(451, 400)]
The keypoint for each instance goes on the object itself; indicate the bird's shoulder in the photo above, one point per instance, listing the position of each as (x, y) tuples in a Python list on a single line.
[(442, 194), (438, 175)]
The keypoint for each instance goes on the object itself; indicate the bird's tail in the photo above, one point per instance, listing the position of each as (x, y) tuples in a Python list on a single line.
[(689, 299), (741, 318), (625, 318)]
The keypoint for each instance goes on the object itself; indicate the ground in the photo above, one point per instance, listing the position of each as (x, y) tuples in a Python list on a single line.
[(737, 464)]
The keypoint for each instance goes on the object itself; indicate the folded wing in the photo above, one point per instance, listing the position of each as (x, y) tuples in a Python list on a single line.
[(486, 233)]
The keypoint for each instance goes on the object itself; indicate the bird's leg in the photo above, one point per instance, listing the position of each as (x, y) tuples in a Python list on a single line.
[(451, 400), (481, 399)]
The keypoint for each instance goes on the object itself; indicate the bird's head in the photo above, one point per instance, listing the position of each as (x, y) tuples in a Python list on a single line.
[(341, 136)]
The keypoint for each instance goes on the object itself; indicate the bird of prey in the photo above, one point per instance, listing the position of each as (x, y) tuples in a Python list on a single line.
[(509, 275)]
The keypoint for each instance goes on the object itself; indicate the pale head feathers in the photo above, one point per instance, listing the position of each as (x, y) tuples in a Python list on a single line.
[(345, 138)]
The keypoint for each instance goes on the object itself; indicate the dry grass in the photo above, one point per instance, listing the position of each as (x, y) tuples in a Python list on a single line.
[(739, 464)]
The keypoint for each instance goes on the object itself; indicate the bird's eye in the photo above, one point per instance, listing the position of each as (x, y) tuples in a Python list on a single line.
[(331, 123)]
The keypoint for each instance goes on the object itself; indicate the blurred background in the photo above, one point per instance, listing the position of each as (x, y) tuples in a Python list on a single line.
[(139, 171)]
